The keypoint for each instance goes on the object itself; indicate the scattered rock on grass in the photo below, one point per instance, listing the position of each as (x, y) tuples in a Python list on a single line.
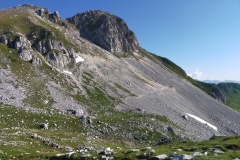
[(161, 156), (44, 126)]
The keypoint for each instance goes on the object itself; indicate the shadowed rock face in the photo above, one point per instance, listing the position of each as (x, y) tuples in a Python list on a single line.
[(106, 30)]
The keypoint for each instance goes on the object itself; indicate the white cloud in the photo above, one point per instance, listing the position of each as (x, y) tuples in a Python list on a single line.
[(197, 74), (220, 76)]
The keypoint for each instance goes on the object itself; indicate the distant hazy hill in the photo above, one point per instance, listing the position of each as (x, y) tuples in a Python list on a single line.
[(217, 81), (211, 81)]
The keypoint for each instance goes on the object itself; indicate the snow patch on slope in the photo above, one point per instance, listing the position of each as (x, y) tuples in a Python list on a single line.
[(202, 121), (68, 72), (79, 59)]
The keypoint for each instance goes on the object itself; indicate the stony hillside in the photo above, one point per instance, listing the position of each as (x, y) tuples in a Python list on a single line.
[(59, 92), (211, 89)]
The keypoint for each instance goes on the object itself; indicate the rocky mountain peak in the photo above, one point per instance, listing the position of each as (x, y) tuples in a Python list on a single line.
[(105, 30)]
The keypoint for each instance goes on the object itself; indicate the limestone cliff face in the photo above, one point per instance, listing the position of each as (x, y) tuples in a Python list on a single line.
[(106, 30)]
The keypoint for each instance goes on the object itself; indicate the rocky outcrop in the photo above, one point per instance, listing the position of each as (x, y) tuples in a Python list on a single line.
[(219, 95), (54, 17), (55, 53), (231, 91), (47, 45), (49, 142), (41, 12), (25, 55), (44, 126), (22, 43), (105, 30), (23, 46), (3, 39), (36, 61), (161, 156)]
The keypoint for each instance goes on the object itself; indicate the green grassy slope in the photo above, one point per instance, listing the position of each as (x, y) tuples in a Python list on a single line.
[(232, 92), (228, 145)]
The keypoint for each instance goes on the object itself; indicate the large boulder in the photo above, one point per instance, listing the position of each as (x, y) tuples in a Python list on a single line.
[(105, 30), (26, 55), (36, 61), (161, 156), (58, 59), (55, 17), (55, 53), (48, 45), (22, 43), (182, 157), (23, 46), (3, 39), (44, 126)]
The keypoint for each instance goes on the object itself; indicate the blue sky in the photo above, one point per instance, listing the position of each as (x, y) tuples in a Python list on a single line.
[(201, 36)]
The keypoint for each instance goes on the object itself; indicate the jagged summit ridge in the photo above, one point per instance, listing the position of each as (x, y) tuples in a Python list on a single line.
[(105, 30)]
